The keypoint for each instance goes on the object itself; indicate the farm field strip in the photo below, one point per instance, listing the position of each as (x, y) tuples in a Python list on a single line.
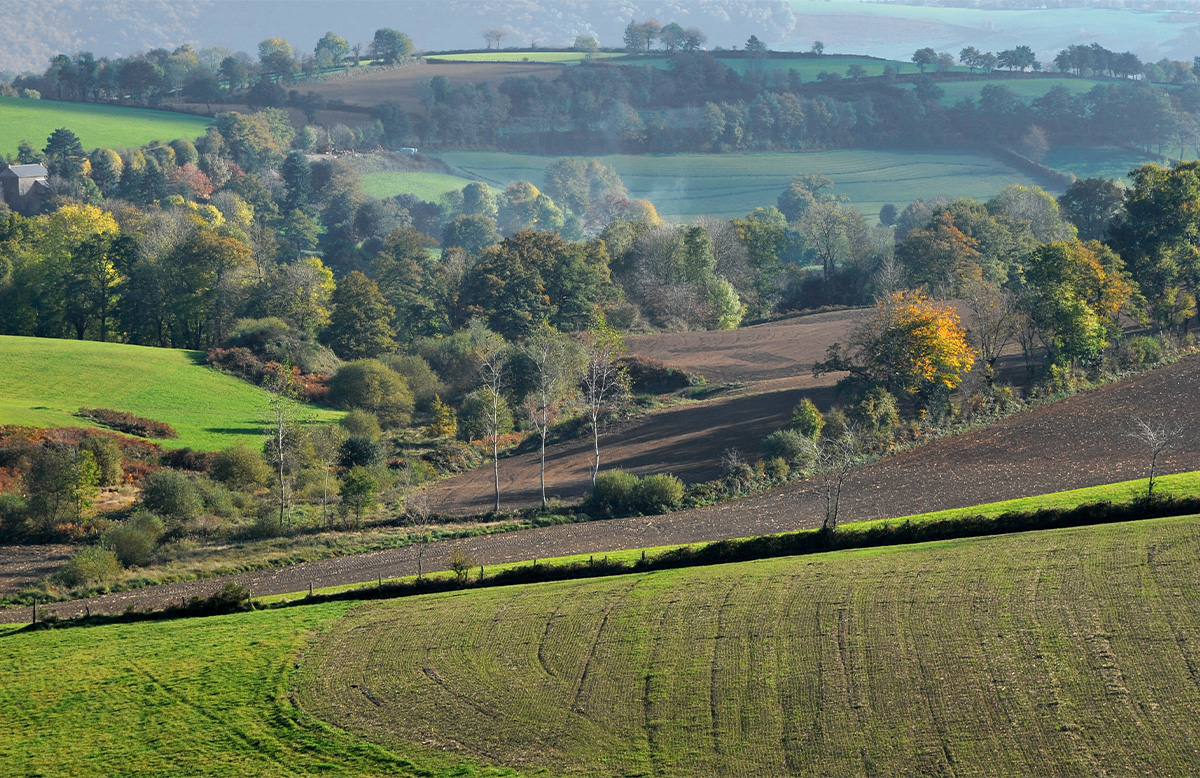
[(96, 125), (45, 381), (1040, 653), (197, 697), (429, 187), (686, 185)]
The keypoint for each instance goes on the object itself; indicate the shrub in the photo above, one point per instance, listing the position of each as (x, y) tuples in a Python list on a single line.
[(453, 359), (443, 422), (107, 455), (474, 413), (171, 493), (422, 381), (837, 424), (807, 419), (776, 469), (358, 491), (132, 545), (658, 493), (147, 522), (791, 446), (360, 422), (186, 459), (128, 423), (93, 566), (614, 491), (650, 376), (217, 498), (876, 413), (239, 467), (361, 451), (373, 386)]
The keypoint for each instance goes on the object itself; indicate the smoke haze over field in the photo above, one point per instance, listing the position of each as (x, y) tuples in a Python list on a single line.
[(37, 31)]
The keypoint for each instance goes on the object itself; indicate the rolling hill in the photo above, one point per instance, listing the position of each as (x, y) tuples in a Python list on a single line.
[(44, 382)]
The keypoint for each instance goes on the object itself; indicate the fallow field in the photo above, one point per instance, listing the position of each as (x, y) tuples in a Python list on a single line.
[(1069, 652), (45, 381), (96, 125)]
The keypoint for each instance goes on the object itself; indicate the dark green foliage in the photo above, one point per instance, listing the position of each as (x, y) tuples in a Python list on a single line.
[(658, 493), (358, 491), (473, 232), (239, 467), (108, 457), (363, 423), (876, 414), (474, 414), (360, 325), (807, 419), (132, 545), (792, 446), (93, 566), (172, 494), (64, 154), (422, 381), (59, 484), (391, 46), (361, 451), (373, 386), (613, 492)]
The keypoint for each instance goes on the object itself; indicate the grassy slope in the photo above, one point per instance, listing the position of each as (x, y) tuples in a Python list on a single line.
[(96, 125), (1054, 653), (685, 185), (428, 186), (202, 697), (44, 381), (807, 67)]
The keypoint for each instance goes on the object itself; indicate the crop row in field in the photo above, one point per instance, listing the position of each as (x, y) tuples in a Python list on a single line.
[(729, 185), (96, 125), (45, 381), (1051, 653)]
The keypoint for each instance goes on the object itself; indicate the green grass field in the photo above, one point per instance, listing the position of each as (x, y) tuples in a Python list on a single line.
[(201, 697), (427, 186), (1067, 652), (890, 29), (1063, 652), (96, 125), (546, 57), (45, 381), (1097, 162), (686, 185)]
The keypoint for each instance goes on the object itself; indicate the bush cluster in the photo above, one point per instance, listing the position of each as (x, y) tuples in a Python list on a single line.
[(128, 423), (621, 493)]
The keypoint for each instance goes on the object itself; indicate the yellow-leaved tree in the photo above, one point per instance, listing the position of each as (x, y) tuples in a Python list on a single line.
[(912, 344)]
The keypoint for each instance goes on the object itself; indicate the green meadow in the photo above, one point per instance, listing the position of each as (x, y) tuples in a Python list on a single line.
[(96, 125), (682, 186), (534, 55), (43, 382), (427, 186)]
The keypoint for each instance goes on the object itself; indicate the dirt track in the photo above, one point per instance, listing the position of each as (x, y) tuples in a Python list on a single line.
[(1078, 442)]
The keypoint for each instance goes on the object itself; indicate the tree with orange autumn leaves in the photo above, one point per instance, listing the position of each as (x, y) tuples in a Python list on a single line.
[(912, 345)]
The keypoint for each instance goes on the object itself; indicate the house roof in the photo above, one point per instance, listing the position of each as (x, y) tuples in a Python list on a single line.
[(27, 171)]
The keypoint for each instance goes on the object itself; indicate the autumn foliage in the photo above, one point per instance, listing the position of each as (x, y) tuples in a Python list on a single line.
[(912, 344)]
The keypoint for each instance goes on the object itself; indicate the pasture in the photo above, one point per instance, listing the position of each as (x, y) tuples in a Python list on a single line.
[(96, 125), (405, 85), (893, 30), (427, 186), (1049, 653), (682, 186), (1095, 162), (45, 381)]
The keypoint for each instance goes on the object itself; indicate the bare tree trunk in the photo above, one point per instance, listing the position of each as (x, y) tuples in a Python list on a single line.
[(543, 474), (496, 467), (595, 448)]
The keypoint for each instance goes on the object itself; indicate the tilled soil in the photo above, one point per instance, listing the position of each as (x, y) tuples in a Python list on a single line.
[(1078, 442)]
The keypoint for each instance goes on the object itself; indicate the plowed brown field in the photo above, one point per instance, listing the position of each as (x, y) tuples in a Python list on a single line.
[(1071, 444)]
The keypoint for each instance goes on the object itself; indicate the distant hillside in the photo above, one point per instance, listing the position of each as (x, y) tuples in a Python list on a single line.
[(35, 31), (45, 381)]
